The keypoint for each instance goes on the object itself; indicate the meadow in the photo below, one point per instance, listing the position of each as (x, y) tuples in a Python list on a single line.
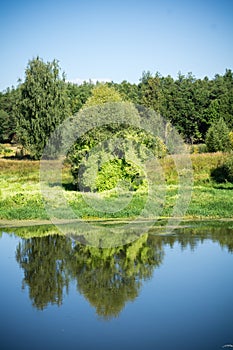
[(21, 198)]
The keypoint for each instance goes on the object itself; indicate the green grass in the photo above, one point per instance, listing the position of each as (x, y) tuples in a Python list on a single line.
[(20, 196), (21, 199), (210, 202)]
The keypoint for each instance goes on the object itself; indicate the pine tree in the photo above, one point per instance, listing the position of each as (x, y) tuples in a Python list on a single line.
[(217, 137)]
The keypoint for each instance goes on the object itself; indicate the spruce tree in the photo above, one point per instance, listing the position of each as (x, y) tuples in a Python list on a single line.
[(217, 137)]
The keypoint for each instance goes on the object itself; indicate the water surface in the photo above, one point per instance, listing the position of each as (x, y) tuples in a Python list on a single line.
[(158, 292)]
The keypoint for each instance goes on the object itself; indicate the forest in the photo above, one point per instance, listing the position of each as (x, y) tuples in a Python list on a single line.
[(192, 105)]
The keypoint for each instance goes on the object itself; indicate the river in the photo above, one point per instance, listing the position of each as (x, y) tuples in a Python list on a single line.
[(158, 292)]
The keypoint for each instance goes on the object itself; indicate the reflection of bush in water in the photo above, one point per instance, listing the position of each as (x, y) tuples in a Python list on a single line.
[(111, 277), (108, 278)]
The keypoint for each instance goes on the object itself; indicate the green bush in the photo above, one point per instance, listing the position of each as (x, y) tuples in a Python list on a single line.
[(118, 170), (224, 172), (107, 154)]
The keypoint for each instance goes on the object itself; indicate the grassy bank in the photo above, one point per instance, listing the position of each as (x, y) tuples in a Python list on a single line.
[(21, 199)]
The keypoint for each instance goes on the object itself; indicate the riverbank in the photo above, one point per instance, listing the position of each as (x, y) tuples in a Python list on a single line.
[(159, 223)]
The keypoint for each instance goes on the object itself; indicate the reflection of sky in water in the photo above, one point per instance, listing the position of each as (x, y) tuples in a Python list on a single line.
[(186, 302)]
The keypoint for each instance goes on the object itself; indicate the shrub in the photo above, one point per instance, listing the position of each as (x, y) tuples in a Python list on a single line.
[(107, 154), (224, 172)]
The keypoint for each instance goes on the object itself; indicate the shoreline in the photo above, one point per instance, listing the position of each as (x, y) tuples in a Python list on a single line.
[(37, 222)]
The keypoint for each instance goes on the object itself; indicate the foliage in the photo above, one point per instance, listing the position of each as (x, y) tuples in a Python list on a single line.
[(78, 95), (104, 155), (188, 103), (231, 139), (116, 170), (102, 94), (42, 105), (129, 92), (5, 127), (95, 145), (8, 100), (217, 137), (223, 172)]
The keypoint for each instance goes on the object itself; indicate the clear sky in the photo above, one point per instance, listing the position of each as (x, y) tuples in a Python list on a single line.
[(116, 39)]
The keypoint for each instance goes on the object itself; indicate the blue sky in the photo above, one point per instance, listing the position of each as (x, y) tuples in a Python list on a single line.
[(116, 40)]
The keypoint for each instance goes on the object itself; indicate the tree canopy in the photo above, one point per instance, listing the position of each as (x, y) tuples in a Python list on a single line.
[(42, 105), (8, 100), (44, 99), (102, 94)]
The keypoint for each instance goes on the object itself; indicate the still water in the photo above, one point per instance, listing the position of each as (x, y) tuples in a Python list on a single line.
[(158, 292)]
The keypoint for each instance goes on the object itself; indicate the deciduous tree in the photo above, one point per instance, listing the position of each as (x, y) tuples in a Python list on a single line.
[(43, 104)]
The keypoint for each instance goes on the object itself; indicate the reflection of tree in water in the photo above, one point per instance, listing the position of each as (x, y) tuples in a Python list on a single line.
[(108, 278), (190, 237), (44, 263), (111, 277)]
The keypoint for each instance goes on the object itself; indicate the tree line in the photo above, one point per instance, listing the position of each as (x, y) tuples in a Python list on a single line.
[(192, 105)]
